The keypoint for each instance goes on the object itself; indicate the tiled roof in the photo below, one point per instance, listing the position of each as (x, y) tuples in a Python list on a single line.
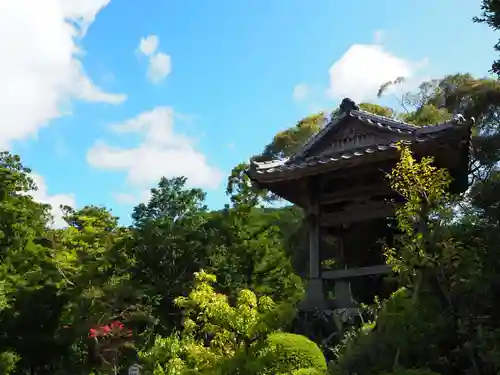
[(300, 161), (379, 122), (285, 166)]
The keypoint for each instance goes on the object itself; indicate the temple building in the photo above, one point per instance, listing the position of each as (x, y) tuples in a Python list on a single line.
[(339, 179)]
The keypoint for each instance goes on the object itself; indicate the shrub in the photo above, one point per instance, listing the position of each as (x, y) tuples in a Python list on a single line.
[(412, 372), (308, 371), (8, 362), (407, 333), (284, 353), (219, 337)]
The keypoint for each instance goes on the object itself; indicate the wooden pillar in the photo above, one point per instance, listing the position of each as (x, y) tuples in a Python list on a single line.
[(314, 242), (313, 213), (315, 298)]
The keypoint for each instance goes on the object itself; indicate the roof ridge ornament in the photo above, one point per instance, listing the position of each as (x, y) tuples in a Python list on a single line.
[(459, 119), (348, 105)]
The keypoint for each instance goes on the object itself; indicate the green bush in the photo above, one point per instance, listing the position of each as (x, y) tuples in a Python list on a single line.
[(308, 371), (407, 333), (411, 372), (8, 362), (285, 353)]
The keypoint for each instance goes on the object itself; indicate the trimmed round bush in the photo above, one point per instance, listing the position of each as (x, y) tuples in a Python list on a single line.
[(284, 353), (412, 372), (308, 371)]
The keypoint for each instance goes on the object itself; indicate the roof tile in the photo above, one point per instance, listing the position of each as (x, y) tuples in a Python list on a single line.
[(299, 161)]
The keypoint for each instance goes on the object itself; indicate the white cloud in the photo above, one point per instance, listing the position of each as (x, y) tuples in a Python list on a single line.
[(41, 195), (300, 92), (160, 66), (160, 152), (159, 63), (362, 69), (80, 12), (132, 199), (149, 45), (40, 69)]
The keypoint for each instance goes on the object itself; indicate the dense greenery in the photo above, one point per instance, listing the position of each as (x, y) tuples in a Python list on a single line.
[(186, 290), (148, 292)]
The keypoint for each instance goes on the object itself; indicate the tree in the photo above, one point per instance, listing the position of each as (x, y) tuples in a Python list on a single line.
[(167, 243), (424, 188), (91, 286), (377, 109), (28, 279), (286, 142), (475, 98), (54, 283), (491, 16), (22, 217), (247, 251), (241, 190)]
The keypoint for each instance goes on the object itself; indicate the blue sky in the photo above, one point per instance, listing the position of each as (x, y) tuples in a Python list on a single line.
[(100, 125)]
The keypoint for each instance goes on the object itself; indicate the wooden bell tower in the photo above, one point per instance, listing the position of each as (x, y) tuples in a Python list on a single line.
[(339, 179)]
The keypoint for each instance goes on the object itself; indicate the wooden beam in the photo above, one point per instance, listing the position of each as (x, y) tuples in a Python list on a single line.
[(361, 173), (350, 273), (356, 193), (357, 213)]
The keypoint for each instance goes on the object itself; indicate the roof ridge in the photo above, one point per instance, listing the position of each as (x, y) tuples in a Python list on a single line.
[(329, 124), (391, 143), (350, 109), (455, 119), (347, 154), (385, 118)]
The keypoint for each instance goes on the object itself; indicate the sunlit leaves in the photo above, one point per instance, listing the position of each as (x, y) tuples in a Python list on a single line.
[(286, 142), (215, 331), (377, 109), (424, 187)]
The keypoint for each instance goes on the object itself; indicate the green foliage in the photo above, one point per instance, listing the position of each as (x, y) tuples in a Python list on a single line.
[(242, 192), (217, 337), (433, 321), (223, 338), (491, 16), (377, 109), (406, 333), (56, 284), (477, 98), (427, 114), (411, 372), (230, 327), (286, 142), (308, 371), (285, 353), (8, 362), (424, 188), (249, 252), (167, 244)]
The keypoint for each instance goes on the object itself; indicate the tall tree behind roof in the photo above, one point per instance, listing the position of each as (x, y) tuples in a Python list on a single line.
[(288, 141), (491, 16)]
